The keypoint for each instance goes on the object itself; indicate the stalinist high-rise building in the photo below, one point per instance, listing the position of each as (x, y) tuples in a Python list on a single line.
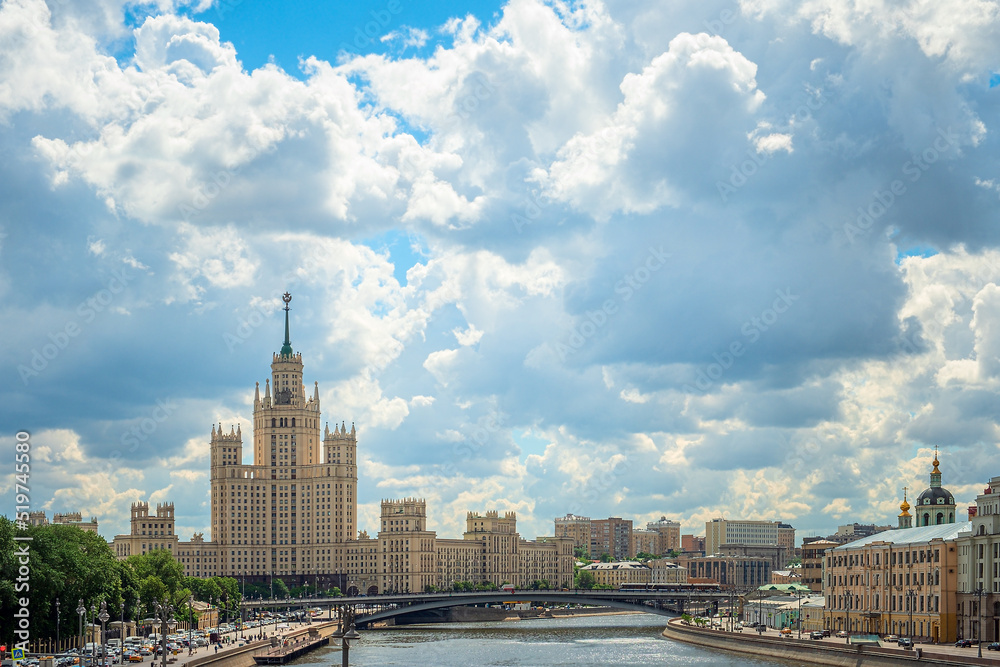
[(289, 512), (292, 513)]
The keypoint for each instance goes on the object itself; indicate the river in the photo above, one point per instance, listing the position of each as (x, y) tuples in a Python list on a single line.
[(622, 640)]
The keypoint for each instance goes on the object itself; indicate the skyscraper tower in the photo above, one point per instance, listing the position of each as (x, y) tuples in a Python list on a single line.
[(289, 512)]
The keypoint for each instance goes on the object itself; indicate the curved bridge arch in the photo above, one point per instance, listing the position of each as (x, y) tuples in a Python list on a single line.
[(485, 598)]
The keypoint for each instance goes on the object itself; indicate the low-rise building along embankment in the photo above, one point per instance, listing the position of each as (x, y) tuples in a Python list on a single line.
[(809, 651)]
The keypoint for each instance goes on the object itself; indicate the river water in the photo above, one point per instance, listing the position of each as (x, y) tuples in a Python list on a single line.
[(622, 640)]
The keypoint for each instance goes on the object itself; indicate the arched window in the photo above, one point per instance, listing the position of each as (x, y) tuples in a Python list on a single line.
[(940, 518), (293, 422), (274, 422)]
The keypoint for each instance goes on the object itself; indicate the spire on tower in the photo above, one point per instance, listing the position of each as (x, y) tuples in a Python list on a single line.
[(256, 395), (286, 349)]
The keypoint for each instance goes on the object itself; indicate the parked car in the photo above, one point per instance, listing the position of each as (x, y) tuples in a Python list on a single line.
[(963, 643)]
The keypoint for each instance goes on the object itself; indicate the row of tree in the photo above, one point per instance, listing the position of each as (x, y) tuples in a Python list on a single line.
[(67, 565)]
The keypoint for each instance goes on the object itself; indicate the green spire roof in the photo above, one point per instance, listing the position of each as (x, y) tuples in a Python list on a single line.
[(286, 349)]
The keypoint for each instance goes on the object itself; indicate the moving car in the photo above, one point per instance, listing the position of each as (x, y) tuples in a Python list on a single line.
[(816, 634), (842, 633), (963, 643), (890, 638), (904, 642), (993, 646)]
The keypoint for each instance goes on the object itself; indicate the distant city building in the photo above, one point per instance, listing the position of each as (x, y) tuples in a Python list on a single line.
[(812, 563), (692, 545), (664, 571), (645, 541), (617, 573), (790, 576), (855, 531), (577, 528), (148, 533), (728, 571), (771, 539), (612, 536), (67, 519), (669, 533)]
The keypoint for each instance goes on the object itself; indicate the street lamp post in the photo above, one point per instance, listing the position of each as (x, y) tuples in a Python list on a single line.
[(57, 625), (103, 618), (911, 598), (164, 610), (121, 629), (847, 613), (799, 619), (347, 633), (93, 617), (979, 593), (81, 610), (190, 622)]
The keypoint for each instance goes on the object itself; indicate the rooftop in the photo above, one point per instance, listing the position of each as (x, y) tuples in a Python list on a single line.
[(945, 531)]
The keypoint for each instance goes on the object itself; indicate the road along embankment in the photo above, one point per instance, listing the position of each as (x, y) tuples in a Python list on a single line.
[(805, 651), (242, 656)]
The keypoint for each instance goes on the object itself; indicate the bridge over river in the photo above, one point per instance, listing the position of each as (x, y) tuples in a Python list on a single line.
[(369, 609)]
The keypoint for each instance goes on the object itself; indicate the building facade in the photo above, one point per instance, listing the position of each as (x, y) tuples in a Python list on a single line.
[(616, 574), (897, 582), (979, 569), (64, 519), (612, 536), (728, 571), (669, 535), (812, 563), (575, 527), (292, 512)]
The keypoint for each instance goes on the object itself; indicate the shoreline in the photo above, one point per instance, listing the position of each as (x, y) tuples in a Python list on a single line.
[(831, 651)]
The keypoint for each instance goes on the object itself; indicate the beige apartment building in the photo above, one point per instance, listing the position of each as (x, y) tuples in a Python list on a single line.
[(612, 536), (897, 582), (901, 581), (64, 519), (979, 569), (616, 574), (292, 513), (664, 571), (812, 563), (575, 527)]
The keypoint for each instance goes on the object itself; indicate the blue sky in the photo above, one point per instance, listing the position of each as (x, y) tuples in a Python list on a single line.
[(693, 259), (285, 32)]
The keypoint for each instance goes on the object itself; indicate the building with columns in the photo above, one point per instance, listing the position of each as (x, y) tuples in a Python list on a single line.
[(292, 512), (901, 581), (979, 568)]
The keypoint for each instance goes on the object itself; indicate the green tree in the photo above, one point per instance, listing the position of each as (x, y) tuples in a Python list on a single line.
[(581, 553), (584, 579), (605, 557), (64, 563), (645, 555), (280, 589)]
